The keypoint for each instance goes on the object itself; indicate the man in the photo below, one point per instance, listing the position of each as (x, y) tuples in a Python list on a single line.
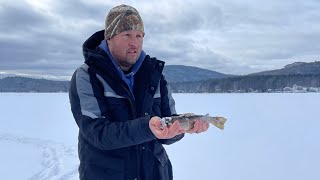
[(117, 98)]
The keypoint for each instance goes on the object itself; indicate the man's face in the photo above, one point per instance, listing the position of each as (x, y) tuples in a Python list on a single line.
[(126, 47)]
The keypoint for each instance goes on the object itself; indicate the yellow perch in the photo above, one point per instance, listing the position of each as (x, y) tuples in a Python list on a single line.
[(187, 120)]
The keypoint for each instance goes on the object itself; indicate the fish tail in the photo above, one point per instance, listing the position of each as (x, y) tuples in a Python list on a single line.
[(217, 121)]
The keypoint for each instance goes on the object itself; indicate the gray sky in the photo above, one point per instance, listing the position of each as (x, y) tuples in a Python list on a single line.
[(44, 37)]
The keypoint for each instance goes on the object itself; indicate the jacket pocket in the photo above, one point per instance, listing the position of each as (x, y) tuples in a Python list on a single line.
[(162, 169), (164, 172), (160, 153)]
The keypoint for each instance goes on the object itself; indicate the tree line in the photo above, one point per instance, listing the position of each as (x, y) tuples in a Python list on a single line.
[(249, 83)]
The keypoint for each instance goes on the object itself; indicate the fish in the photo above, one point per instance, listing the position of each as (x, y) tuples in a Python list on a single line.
[(187, 120)]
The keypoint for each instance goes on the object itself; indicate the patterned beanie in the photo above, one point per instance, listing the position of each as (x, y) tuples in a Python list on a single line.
[(122, 18)]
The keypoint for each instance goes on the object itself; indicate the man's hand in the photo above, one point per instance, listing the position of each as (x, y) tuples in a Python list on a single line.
[(199, 127), (164, 132)]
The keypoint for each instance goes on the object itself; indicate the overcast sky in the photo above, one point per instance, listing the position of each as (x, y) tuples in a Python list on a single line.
[(45, 37)]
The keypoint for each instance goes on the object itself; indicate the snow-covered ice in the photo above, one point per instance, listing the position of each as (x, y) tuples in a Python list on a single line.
[(267, 136)]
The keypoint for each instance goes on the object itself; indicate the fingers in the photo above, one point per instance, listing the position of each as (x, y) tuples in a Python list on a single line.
[(154, 125), (206, 126), (202, 127), (195, 128), (175, 129), (165, 132), (199, 127), (160, 133)]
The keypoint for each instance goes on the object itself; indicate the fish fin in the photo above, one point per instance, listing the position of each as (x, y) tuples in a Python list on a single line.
[(218, 121), (187, 114)]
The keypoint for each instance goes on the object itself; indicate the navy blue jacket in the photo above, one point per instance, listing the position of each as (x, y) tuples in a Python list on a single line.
[(115, 141)]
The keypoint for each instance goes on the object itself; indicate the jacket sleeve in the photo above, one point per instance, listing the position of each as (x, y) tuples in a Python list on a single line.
[(167, 108), (96, 129)]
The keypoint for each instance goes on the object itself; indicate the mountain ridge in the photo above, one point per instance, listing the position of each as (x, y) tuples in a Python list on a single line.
[(302, 68), (182, 73), (193, 79)]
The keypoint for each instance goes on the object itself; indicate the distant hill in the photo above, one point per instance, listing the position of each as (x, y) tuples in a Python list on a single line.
[(299, 74), (301, 68), (3, 75), (180, 73), (193, 79), (174, 73), (25, 84)]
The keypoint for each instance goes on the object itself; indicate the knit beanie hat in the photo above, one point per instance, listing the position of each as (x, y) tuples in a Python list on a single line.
[(122, 18)]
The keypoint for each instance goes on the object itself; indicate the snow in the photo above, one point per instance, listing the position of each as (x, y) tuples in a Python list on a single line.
[(267, 136)]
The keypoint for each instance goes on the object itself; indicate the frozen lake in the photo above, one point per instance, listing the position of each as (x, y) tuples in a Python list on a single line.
[(267, 136)]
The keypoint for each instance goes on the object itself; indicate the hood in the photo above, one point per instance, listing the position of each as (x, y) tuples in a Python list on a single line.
[(89, 47)]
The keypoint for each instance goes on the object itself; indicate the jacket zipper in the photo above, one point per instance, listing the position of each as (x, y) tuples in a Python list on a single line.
[(132, 104), (138, 150)]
